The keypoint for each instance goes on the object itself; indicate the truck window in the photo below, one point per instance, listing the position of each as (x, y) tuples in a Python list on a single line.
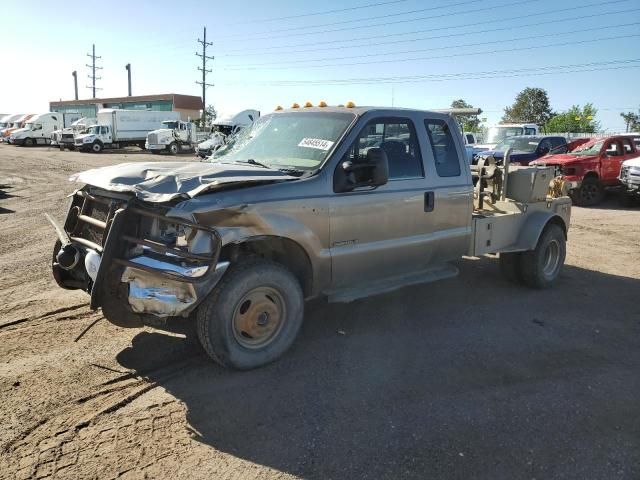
[(559, 145), (470, 138), (443, 147), (613, 150), (104, 130), (529, 131), (626, 145), (397, 137)]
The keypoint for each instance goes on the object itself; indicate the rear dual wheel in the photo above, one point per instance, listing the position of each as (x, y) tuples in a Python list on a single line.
[(540, 267)]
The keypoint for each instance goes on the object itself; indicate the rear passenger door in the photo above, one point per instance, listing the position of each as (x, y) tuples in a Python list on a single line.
[(450, 181)]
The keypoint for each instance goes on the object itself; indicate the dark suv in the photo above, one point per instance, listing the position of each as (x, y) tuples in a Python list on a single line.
[(526, 148)]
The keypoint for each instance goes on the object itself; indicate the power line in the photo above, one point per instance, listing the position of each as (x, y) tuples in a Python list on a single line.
[(204, 71), (356, 20), (93, 68), (295, 64), (386, 24), (390, 35), (326, 12), (533, 71)]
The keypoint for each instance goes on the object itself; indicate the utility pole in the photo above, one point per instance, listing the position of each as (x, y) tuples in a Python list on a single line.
[(128, 67), (204, 71), (93, 70), (75, 82)]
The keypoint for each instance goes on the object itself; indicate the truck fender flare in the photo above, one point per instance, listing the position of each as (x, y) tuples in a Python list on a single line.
[(282, 250), (533, 228)]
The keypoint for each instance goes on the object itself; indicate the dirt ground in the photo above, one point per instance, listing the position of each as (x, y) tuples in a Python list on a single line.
[(471, 377)]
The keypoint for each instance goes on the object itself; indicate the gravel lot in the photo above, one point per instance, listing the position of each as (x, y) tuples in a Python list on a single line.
[(466, 378)]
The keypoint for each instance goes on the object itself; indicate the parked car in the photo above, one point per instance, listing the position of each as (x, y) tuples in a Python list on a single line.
[(630, 177), (526, 148), (299, 205), (593, 167)]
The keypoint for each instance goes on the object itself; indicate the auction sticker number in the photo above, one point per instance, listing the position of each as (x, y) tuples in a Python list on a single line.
[(318, 143)]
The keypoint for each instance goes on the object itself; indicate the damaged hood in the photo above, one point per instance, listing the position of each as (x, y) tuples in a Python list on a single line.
[(165, 181)]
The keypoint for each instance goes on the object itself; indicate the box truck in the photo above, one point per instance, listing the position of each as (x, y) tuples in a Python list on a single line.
[(121, 128), (39, 128)]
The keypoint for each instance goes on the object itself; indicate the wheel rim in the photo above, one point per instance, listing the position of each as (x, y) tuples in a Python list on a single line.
[(589, 192), (96, 147), (173, 149), (258, 317), (551, 258)]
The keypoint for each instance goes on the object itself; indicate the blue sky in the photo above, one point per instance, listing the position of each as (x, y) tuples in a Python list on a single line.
[(263, 60)]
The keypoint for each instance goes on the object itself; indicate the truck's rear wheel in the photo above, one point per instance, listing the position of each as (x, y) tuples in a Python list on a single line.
[(253, 316), (173, 148), (96, 147), (591, 192), (541, 267)]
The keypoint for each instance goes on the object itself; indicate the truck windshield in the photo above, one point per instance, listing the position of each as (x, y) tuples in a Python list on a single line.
[(497, 134), (518, 144), (171, 125), (299, 141), (28, 126), (589, 148), (94, 130)]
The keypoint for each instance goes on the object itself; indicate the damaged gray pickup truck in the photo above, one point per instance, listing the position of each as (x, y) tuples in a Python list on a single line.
[(323, 201)]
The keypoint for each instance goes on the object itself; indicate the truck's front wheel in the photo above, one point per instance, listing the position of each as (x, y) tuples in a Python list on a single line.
[(253, 316), (541, 267), (173, 148), (29, 142), (96, 147)]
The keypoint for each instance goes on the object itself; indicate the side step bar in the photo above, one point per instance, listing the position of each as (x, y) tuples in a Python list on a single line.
[(385, 285)]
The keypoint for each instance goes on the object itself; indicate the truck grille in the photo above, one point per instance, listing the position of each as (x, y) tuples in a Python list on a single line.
[(141, 231), (67, 136), (153, 139)]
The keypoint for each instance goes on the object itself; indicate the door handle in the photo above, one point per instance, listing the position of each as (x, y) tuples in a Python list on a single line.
[(429, 200)]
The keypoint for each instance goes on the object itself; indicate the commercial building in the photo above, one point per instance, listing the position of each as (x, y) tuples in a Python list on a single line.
[(189, 106)]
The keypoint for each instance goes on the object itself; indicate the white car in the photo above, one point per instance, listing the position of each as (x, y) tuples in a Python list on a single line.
[(630, 179)]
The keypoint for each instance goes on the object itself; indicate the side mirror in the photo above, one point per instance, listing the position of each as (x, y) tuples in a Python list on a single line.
[(373, 172)]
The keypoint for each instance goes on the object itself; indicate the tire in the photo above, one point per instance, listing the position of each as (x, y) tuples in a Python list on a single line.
[(173, 148), (591, 192), (541, 267), (252, 316), (28, 142), (96, 147), (510, 267)]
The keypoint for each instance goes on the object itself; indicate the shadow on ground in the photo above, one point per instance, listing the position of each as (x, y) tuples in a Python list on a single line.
[(466, 378), (3, 196)]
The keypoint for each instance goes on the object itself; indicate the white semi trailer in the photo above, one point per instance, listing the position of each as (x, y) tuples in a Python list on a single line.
[(121, 128)]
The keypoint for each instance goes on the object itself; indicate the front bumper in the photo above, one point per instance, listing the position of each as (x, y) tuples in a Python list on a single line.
[(155, 146), (16, 141), (133, 277)]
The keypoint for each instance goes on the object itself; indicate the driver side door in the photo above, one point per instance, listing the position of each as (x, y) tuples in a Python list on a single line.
[(381, 232)]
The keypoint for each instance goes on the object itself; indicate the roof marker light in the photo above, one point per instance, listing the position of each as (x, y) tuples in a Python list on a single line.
[(350, 105), (278, 108), (322, 103), (295, 105), (308, 105)]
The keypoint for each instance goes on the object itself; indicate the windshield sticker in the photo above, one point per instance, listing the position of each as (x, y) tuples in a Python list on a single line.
[(318, 143)]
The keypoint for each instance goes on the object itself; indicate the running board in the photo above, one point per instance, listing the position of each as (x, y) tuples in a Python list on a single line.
[(346, 295)]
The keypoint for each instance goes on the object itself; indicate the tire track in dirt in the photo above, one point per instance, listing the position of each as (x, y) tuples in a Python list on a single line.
[(68, 442)]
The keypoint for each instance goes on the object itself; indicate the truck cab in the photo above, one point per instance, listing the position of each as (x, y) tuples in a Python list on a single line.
[(38, 130), (225, 127), (343, 202), (593, 166), (174, 136), (497, 133), (19, 123)]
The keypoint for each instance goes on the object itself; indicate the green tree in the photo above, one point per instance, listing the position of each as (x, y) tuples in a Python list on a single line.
[(531, 106), (469, 123), (631, 120), (210, 114), (575, 120)]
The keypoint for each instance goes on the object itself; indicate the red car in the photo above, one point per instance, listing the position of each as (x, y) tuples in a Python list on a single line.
[(593, 166)]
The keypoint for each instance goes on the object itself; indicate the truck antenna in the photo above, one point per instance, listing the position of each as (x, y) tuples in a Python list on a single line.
[(204, 71)]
